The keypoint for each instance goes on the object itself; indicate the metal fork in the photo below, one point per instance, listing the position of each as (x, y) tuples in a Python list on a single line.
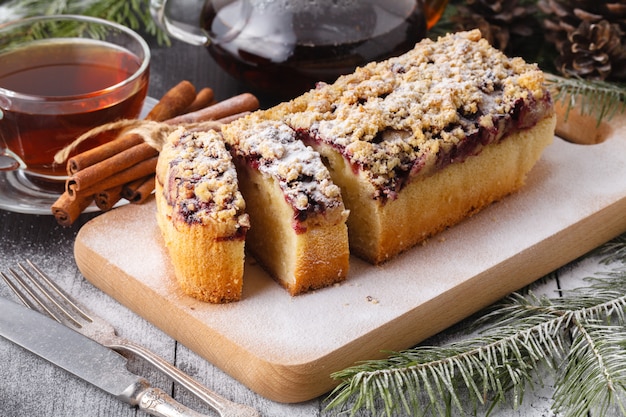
[(51, 300)]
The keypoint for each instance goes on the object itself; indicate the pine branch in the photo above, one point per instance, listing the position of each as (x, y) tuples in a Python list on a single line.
[(613, 251), (132, 13), (594, 379), (581, 337), (489, 366), (482, 368), (599, 98)]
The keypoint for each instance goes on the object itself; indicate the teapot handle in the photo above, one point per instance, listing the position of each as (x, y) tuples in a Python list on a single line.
[(183, 31)]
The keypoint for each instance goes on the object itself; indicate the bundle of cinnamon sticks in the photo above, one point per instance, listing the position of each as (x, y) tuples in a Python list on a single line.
[(124, 167)]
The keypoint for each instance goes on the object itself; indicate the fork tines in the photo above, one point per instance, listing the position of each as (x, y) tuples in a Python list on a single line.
[(47, 298)]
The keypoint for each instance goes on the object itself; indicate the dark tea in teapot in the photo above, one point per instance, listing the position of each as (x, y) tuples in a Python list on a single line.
[(283, 47)]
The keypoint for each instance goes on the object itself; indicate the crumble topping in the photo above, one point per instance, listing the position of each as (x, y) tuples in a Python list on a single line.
[(416, 113), (273, 148), (203, 180)]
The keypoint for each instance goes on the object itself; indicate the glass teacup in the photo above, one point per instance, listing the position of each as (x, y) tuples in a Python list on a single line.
[(60, 77)]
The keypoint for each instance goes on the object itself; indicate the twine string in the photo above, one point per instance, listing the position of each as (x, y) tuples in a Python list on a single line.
[(153, 133)]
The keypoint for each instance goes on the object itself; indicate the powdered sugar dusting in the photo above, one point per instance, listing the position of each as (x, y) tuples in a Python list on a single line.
[(274, 149), (199, 179)]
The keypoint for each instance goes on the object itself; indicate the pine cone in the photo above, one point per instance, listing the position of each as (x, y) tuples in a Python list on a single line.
[(589, 36), (502, 22)]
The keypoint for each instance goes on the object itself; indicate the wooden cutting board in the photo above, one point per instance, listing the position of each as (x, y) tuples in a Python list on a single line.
[(285, 348)]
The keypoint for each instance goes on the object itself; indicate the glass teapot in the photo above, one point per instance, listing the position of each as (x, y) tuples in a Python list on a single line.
[(284, 47)]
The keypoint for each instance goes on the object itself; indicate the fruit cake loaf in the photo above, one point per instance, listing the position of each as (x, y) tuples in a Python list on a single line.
[(201, 214), (298, 229), (419, 142)]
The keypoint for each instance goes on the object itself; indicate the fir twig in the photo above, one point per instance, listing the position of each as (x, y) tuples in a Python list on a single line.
[(132, 13), (594, 378), (599, 98), (484, 369), (580, 336), (613, 251)]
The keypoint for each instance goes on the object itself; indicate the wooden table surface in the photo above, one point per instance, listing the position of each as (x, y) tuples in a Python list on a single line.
[(32, 387)]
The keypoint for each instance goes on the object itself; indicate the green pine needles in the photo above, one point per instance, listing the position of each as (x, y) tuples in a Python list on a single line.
[(597, 98), (132, 13), (579, 337)]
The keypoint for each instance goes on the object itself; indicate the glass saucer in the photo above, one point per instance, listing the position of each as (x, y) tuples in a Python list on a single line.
[(17, 194)]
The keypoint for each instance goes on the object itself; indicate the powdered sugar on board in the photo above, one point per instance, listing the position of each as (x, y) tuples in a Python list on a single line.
[(573, 201)]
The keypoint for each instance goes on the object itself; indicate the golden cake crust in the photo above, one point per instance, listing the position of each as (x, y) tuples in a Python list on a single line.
[(201, 214)]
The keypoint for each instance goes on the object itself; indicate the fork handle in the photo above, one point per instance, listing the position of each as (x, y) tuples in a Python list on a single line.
[(220, 404), (155, 401)]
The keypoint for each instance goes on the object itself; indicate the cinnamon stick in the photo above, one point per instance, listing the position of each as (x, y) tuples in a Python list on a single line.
[(99, 153), (219, 122), (224, 109), (237, 104), (228, 119), (127, 175), (137, 191), (173, 102), (66, 210), (124, 167), (87, 177), (204, 97), (106, 199)]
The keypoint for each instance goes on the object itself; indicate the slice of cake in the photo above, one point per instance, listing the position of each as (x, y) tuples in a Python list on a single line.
[(419, 142), (298, 227), (200, 212)]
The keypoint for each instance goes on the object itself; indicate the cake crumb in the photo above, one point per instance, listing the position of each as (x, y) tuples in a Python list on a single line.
[(371, 299)]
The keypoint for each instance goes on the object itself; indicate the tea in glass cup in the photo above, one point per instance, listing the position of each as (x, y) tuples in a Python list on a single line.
[(60, 77)]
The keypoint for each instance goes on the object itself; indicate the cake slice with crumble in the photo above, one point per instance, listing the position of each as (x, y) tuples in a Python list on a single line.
[(298, 227), (201, 214), (419, 142)]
